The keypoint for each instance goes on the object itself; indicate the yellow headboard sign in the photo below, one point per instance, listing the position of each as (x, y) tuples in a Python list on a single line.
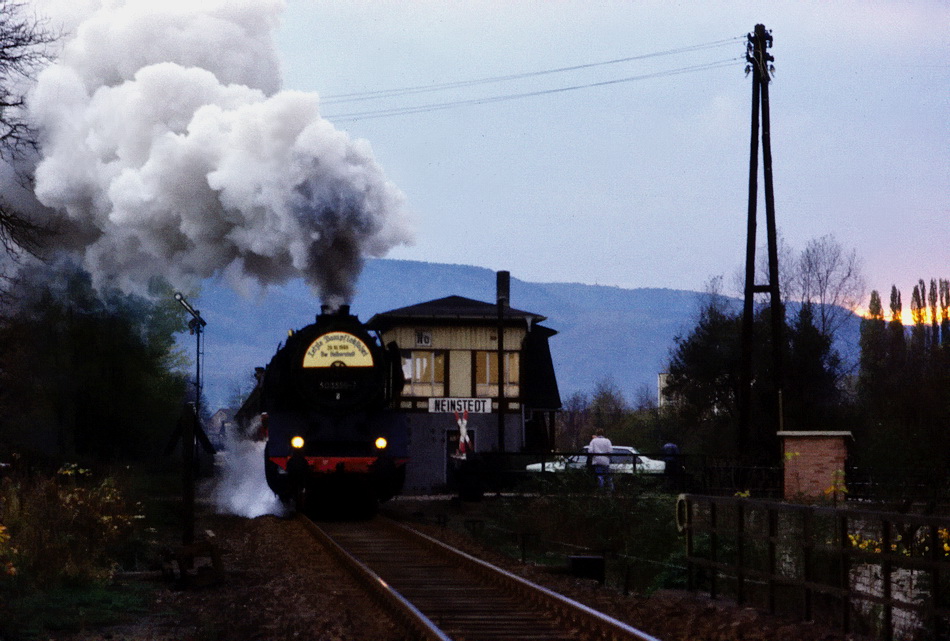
[(338, 349)]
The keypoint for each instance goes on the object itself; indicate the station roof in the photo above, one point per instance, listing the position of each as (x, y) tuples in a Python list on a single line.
[(454, 309)]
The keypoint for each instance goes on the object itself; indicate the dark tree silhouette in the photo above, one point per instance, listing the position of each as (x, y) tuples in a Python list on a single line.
[(24, 48), (88, 373)]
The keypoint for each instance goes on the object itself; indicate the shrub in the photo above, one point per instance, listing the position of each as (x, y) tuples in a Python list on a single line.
[(636, 531), (61, 530)]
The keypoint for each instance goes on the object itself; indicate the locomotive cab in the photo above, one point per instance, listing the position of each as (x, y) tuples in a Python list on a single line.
[(335, 439)]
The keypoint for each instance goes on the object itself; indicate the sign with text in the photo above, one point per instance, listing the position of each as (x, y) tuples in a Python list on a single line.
[(470, 405), (338, 349)]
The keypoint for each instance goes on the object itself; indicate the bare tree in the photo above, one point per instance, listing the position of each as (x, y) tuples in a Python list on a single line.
[(607, 405), (573, 422), (823, 274), (24, 49), (644, 398), (830, 278)]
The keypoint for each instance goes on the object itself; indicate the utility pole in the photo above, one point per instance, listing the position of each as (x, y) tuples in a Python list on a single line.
[(760, 66)]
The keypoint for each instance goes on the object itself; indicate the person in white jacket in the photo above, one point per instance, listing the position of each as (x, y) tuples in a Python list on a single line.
[(599, 446)]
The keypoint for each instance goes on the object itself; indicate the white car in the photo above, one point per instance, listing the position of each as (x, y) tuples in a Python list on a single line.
[(623, 460)]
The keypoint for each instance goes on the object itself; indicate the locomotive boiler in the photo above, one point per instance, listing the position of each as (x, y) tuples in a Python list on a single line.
[(336, 441)]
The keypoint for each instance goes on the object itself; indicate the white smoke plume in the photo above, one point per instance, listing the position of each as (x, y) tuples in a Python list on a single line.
[(239, 486), (167, 149)]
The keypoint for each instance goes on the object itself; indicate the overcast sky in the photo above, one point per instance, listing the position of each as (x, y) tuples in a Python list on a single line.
[(644, 183)]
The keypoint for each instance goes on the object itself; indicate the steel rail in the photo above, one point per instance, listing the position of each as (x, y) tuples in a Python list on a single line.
[(397, 605), (594, 622), (481, 615)]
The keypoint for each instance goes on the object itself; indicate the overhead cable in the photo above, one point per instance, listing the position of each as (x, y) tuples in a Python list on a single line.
[(403, 91), (401, 111)]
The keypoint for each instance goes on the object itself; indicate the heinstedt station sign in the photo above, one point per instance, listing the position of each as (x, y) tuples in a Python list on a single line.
[(470, 405)]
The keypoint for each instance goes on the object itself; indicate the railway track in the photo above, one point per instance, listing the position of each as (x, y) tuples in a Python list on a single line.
[(443, 594)]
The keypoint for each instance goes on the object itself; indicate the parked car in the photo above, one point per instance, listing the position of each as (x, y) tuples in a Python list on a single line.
[(623, 460)]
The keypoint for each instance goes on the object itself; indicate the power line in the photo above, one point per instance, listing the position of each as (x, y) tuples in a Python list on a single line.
[(401, 111), (404, 91)]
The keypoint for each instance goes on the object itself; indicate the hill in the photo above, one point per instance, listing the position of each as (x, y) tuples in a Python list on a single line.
[(604, 333)]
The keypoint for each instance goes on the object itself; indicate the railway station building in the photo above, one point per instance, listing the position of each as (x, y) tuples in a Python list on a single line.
[(480, 383)]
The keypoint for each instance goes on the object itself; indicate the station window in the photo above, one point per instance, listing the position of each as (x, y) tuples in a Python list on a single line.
[(486, 374), (425, 373)]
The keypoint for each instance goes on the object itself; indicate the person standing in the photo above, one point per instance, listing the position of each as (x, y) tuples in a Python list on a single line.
[(600, 446), (674, 466)]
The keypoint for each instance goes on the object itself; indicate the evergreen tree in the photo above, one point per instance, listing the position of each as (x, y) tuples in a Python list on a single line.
[(896, 340), (945, 313), (903, 396), (879, 382), (872, 377), (918, 313), (703, 380), (813, 394), (934, 314)]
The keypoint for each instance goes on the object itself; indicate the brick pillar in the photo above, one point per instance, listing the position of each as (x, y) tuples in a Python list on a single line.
[(814, 465)]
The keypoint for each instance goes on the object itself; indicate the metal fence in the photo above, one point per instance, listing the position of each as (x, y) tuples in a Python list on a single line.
[(899, 486), (880, 573)]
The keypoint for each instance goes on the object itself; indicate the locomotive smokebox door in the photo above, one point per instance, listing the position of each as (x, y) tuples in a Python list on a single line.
[(339, 369)]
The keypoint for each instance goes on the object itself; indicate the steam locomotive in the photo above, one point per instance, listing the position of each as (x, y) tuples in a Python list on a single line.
[(336, 441)]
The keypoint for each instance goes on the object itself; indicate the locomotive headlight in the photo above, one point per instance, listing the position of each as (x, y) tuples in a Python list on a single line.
[(296, 442), (381, 443)]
